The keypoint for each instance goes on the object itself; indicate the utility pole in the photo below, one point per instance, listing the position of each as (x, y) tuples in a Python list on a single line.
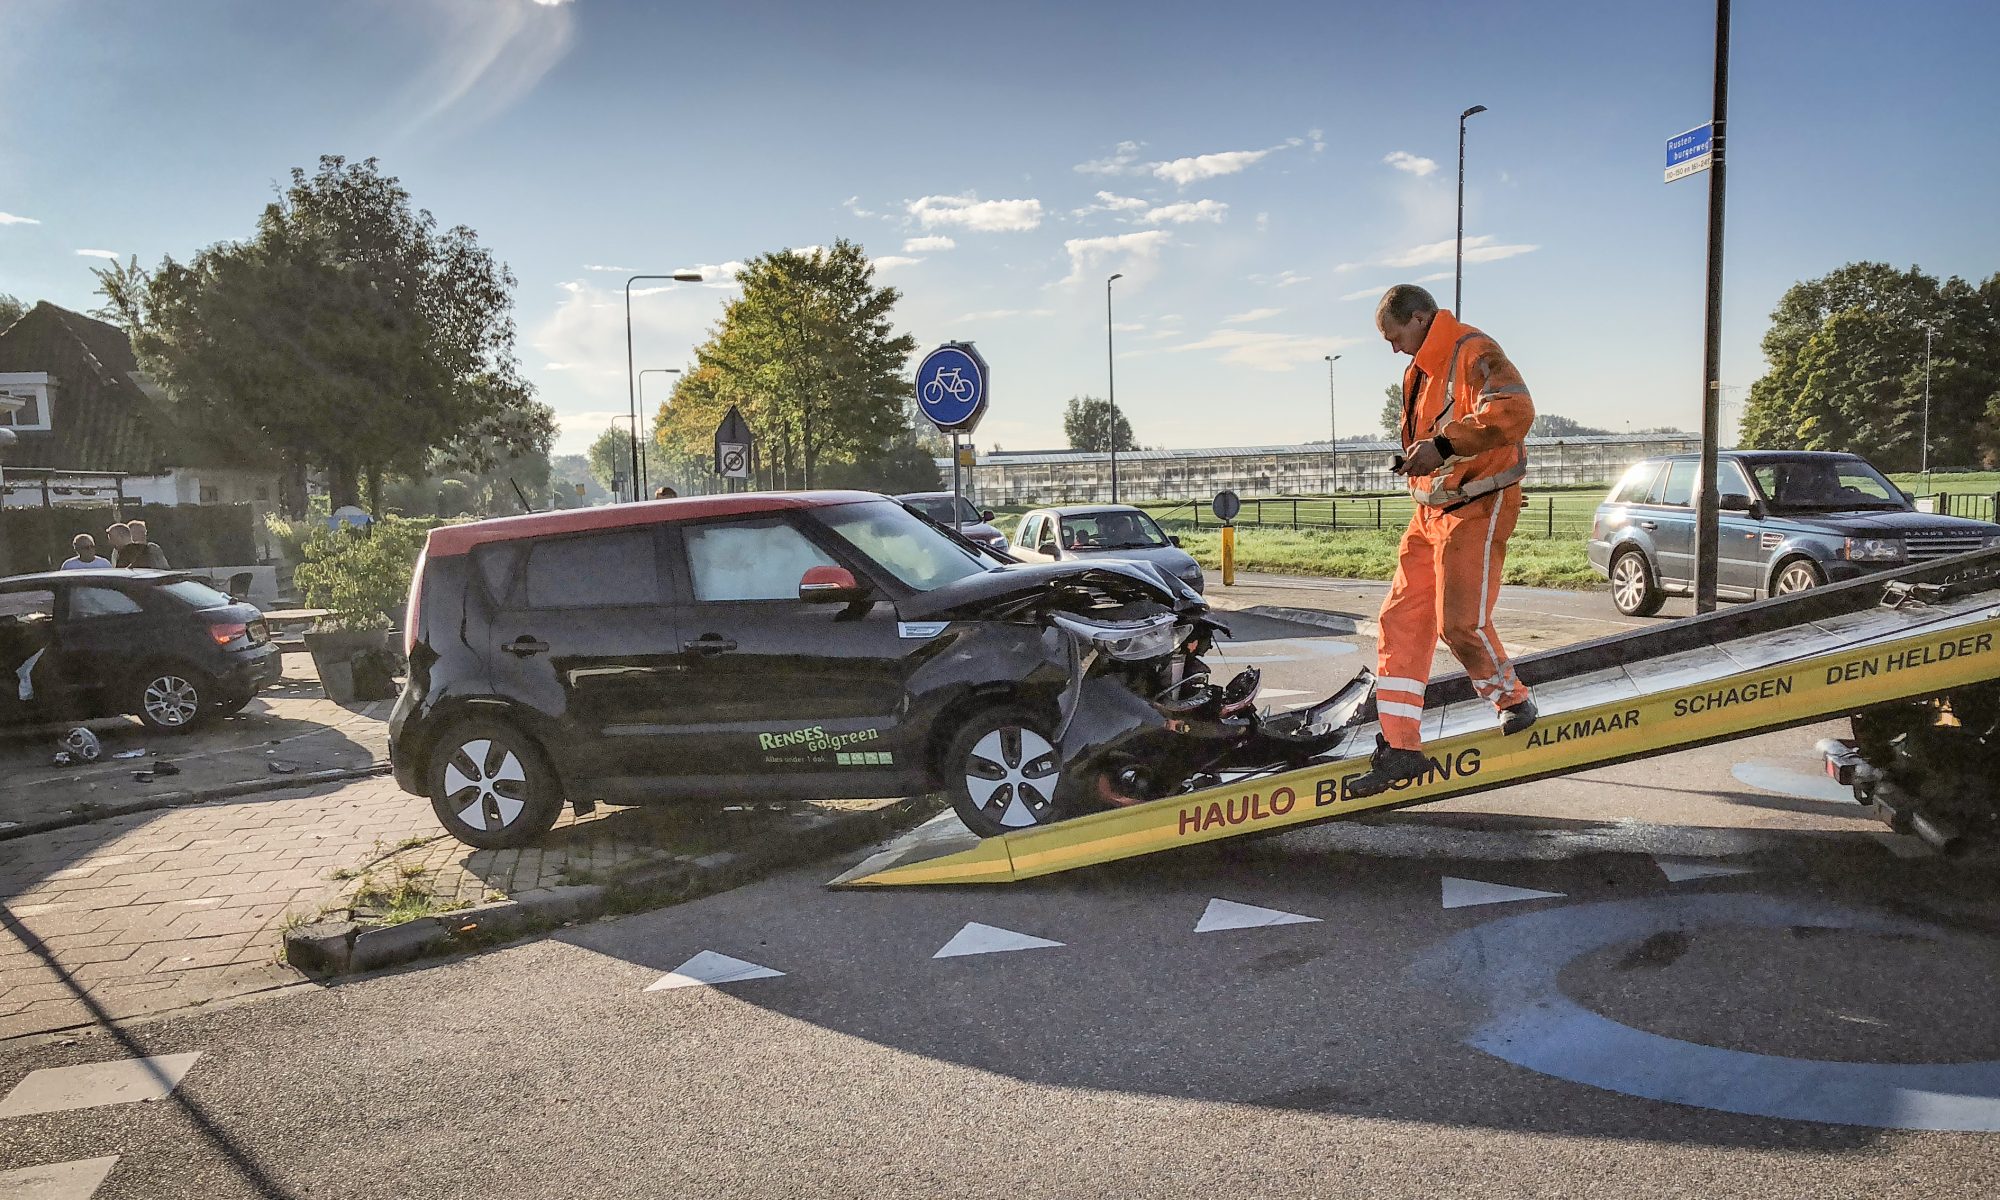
[(1458, 271), (1707, 539), (631, 377), (1111, 383), (1925, 468), (1332, 422)]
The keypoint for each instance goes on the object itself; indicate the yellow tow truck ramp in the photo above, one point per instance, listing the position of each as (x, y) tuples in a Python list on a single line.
[(1791, 660)]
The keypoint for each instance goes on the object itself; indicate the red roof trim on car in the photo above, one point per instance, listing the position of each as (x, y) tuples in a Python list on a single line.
[(460, 539)]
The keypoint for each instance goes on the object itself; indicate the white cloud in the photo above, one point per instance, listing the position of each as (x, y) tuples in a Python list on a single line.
[(487, 57), (613, 270), (853, 204), (1260, 351), (1122, 327), (1111, 202), (1002, 314), (936, 241), (1477, 249), (552, 3), (110, 254), (970, 212), (1318, 139), (1263, 221), (1183, 171), (1255, 314), (889, 262), (1290, 279), (7, 218), (1127, 250), (1186, 212), (1375, 293), (555, 366), (1122, 161), (1403, 160)]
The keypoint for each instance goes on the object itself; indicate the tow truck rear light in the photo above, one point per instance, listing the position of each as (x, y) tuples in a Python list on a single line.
[(228, 632)]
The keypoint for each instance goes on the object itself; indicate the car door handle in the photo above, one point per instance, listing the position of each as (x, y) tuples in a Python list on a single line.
[(710, 644), (1649, 524), (523, 646)]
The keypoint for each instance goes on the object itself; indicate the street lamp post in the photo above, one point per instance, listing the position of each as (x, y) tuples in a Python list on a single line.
[(1332, 422), (1458, 271), (631, 378), (1925, 462), (645, 472), (1111, 383)]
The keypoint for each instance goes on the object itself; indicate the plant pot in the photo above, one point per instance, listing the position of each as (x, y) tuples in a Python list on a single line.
[(345, 657)]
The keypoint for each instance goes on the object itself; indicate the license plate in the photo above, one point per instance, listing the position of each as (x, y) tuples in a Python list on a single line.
[(259, 633)]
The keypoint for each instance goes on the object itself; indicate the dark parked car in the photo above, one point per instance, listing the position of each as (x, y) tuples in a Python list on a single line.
[(1790, 520), (796, 646), (976, 524), (160, 646)]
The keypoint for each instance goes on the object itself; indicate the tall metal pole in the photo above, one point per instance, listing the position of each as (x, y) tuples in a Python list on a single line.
[(1332, 422), (644, 469), (1707, 541), (1111, 383), (631, 377), (1458, 269), (1926, 461)]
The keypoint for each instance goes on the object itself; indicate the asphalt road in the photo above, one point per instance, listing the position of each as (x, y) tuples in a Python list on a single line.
[(1704, 975)]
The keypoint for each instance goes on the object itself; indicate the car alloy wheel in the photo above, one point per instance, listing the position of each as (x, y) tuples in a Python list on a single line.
[(1003, 773), (169, 701), (1799, 576), (1633, 589), (484, 785)]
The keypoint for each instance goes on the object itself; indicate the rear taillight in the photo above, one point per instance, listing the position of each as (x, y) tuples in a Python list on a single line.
[(416, 603), (228, 632)]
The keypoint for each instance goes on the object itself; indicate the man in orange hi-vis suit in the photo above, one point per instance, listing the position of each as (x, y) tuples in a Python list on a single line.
[(1465, 415)]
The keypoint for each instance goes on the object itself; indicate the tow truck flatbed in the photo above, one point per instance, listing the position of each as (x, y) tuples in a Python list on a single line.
[(1790, 660)]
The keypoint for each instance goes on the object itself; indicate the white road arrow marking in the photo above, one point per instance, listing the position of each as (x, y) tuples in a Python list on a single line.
[(1465, 893), (1228, 914), (987, 939), (78, 1180), (1680, 870), (708, 969)]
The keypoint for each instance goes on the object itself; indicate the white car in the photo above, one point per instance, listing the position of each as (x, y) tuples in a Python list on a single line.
[(1081, 531)]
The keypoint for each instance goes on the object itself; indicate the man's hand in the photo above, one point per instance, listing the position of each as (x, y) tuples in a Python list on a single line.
[(1422, 458)]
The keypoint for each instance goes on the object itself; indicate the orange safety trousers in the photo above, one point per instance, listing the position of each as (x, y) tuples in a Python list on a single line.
[(1448, 570)]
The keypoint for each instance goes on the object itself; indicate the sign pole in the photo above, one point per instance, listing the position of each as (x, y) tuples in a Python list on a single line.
[(1707, 539), (957, 489)]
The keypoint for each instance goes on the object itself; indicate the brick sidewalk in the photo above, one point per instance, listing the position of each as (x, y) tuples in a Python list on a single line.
[(166, 909)]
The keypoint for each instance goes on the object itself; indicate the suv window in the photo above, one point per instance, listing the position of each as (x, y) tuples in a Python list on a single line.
[(754, 560), (1637, 484), (1729, 478), (603, 570), (1826, 486), (87, 602), (1680, 484)]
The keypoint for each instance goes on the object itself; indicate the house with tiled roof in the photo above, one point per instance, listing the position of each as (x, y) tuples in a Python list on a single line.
[(90, 427)]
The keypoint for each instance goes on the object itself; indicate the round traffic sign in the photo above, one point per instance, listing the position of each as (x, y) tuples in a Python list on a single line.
[(1227, 505), (952, 386)]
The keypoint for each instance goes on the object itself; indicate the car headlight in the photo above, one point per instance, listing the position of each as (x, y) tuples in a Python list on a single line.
[(1873, 550), (1126, 641), (998, 541), (1993, 541)]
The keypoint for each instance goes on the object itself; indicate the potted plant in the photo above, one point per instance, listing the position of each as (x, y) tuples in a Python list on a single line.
[(363, 577)]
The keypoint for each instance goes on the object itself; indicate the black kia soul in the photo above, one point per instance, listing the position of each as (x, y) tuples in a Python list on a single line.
[(796, 646)]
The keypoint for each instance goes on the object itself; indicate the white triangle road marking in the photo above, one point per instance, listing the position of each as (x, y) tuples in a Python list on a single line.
[(1680, 870), (987, 939), (78, 1180), (88, 1085), (1465, 893), (708, 969), (1228, 914)]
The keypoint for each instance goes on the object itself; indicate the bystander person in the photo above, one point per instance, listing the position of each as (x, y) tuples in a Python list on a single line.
[(141, 552), (87, 558)]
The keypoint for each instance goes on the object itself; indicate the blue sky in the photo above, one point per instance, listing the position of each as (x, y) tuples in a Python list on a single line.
[(1257, 171)]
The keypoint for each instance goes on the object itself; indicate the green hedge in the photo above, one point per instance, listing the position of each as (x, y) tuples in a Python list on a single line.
[(205, 535)]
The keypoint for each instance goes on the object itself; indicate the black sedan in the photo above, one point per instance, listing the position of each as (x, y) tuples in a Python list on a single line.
[(157, 645)]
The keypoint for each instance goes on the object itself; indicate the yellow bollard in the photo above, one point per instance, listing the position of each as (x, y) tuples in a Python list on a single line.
[(1229, 556)]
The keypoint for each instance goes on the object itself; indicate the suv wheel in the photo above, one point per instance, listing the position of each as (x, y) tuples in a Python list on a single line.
[(491, 788), (169, 698), (1001, 772), (1634, 587), (1798, 575)]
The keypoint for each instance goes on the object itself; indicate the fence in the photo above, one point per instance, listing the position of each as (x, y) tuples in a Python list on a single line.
[(1550, 514), (38, 539), (1966, 504)]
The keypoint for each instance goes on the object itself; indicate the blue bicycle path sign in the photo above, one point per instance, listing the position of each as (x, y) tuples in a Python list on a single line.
[(952, 386)]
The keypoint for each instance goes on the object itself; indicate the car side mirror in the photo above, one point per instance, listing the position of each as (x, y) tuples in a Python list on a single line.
[(986, 515), (830, 585), (1909, 497), (1734, 502), (1174, 539)]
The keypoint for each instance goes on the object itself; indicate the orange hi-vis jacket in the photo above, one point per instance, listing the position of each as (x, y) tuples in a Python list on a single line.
[(1462, 387)]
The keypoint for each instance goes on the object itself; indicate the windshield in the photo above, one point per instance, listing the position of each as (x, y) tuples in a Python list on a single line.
[(902, 544), (1823, 485), (938, 508), (1111, 531), (200, 595)]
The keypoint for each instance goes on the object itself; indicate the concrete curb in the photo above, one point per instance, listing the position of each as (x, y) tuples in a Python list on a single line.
[(333, 948), (227, 791)]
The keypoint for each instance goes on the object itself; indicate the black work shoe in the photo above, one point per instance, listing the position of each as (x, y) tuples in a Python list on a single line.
[(1387, 767), (1518, 718)]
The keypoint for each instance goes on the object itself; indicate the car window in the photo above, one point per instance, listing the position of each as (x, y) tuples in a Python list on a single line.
[(1637, 484), (1825, 485), (195, 594), (1729, 478), (603, 570), (29, 604), (1027, 536), (937, 508), (915, 553), (87, 602), (754, 560), (25, 621), (497, 562), (1680, 484)]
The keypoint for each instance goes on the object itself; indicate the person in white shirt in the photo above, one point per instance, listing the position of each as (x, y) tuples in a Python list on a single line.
[(87, 558)]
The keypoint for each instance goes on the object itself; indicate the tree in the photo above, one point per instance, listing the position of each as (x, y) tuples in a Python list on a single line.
[(11, 310), (1392, 413), (348, 331), (809, 355), (124, 292), (1087, 423), (611, 457), (1846, 368)]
